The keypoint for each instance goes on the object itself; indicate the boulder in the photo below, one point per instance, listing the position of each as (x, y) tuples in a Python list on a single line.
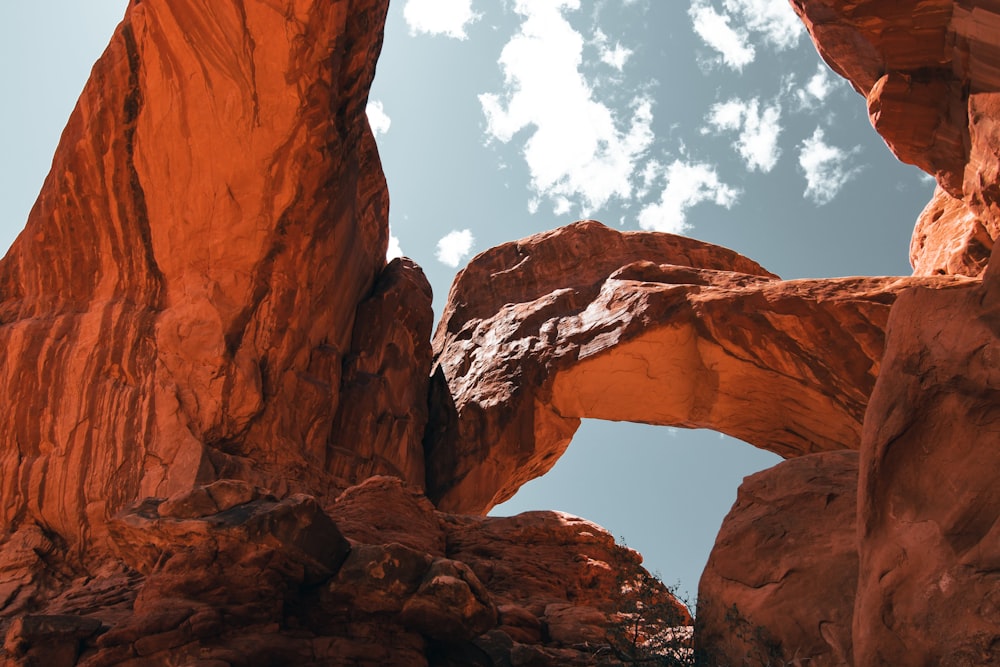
[(780, 581)]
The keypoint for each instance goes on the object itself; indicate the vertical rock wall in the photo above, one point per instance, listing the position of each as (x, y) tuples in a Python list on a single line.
[(179, 304)]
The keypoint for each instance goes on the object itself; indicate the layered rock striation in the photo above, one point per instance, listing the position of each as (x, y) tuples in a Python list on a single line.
[(180, 304)]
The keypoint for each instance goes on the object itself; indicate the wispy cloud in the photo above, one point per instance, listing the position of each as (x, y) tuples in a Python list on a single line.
[(687, 184), (757, 141), (581, 153), (827, 168), (733, 28), (439, 17), (817, 89), (377, 117), (454, 247)]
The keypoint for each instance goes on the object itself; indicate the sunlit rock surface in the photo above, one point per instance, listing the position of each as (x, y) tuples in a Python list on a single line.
[(928, 589), (201, 348), (180, 303), (586, 321)]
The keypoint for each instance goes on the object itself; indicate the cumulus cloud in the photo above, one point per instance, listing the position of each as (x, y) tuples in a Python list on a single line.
[(732, 29), (757, 142), (454, 247), (394, 250), (714, 29), (439, 17), (377, 117), (688, 184), (827, 168), (580, 153)]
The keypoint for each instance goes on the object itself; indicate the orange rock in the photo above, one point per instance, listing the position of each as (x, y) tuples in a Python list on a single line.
[(949, 239), (780, 581), (382, 416), (180, 303), (653, 328), (929, 502)]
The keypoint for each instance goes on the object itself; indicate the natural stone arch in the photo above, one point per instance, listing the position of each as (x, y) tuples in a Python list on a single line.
[(586, 321)]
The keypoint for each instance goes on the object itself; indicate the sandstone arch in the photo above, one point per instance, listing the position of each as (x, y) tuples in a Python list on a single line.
[(585, 321)]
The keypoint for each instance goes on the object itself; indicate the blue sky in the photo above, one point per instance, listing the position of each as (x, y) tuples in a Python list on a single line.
[(496, 120)]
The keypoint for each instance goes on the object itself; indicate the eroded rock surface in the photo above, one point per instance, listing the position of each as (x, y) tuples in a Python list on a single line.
[(780, 582), (929, 584), (228, 574), (641, 327), (180, 303)]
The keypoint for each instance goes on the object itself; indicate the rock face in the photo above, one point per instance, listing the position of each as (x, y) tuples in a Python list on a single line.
[(928, 591), (927, 586), (779, 585), (586, 321), (929, 72), (180, 304), (382, 416)]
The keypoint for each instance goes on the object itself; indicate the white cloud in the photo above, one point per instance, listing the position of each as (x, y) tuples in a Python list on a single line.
[(454, 247), (757, 142), (817, 89), (688, 184), (827, 168), (377, 117), (439, 17), (715, 31), (733, 30), (579, 150), (774, 20), (394, 250), (615, 57)]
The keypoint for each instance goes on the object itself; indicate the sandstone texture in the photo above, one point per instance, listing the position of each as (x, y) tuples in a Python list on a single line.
[(779, 585), (227, 574), (587, 321), (929, 583), (181, 303)]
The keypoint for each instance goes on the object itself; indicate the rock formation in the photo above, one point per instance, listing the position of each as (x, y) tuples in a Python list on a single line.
[(779, 585), (928, 512), (229, 574), (201, 347), (586, 321), (181, 301), (930, 75), (223, 433), (928, 590)]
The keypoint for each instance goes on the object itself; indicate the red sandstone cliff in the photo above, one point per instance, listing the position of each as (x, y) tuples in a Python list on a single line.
[(180, 303)]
